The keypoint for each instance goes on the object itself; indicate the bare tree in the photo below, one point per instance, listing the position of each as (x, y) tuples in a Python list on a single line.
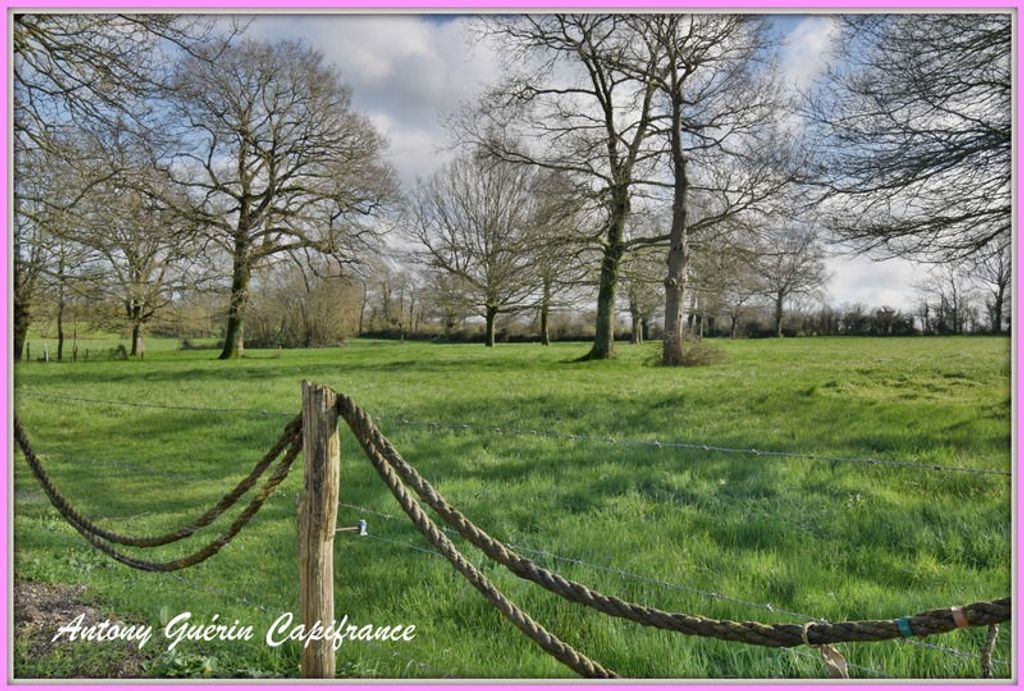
[(446, 299), (148, 253), (474, 220), (74, 68), (915, 131), (642, 284), (718, 111), (724, 276), (33, 244), (570, 104), (790, 264), (71, 70), (995, 273), (947, 301), (278, 161), (47, 257), (559, 243)]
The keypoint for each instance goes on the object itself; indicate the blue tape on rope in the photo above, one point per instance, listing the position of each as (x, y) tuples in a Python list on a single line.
[(904, 626)]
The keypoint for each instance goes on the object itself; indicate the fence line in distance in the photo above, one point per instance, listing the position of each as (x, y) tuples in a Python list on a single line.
[(514, 431)]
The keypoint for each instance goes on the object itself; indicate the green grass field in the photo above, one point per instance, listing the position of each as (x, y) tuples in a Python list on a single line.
[(667, 527)]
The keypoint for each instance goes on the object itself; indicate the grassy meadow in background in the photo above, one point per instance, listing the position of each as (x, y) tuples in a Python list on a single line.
[(724, 535)]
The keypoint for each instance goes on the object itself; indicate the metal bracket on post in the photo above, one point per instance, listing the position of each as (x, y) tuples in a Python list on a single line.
[(359, 529)]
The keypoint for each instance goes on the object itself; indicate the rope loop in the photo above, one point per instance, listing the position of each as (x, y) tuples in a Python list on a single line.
[(99, 538)]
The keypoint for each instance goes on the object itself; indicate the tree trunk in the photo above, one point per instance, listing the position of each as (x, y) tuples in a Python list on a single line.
[(732, 327), (545, 313), (234, 341), (778, 316), (134, 312), (614, 249), (636, 336), (491, 313), (60, 329), (678, 251), (21, 323), (997, 311), (362, 309), (138, 342), (23, 285)]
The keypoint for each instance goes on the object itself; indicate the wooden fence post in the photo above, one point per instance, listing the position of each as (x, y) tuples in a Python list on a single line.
[(318, 515)]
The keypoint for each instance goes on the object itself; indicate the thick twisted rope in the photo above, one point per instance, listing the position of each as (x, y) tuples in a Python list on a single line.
[(550, 643), (61, 503), (381, 451), (211, 548)]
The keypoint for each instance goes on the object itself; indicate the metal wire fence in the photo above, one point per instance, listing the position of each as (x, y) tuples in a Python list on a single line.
[(652, 444), (396, 472)]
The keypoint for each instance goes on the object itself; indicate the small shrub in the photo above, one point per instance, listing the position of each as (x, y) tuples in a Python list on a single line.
[(696, 353), (701, 353)]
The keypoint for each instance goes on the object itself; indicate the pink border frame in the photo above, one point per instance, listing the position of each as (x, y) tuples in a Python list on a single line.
[(809, 6)]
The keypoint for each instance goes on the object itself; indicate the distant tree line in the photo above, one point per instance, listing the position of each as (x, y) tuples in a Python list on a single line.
[(627, 176)]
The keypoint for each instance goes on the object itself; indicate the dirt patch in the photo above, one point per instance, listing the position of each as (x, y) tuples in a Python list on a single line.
[(40, 609)]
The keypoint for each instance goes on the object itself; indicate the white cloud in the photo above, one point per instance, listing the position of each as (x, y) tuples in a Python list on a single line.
[(808, 49), (409, 72), (875, 283)]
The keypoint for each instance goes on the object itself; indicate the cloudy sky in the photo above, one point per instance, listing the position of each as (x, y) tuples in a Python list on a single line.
[(408, 72)]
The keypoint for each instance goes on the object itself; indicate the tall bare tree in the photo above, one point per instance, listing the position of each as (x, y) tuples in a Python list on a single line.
[(948, 300), (74, 68), (49, 188), (724, 271), (915, 130), (560, 242), (570, 103), (148, 253), (446, 299), (475, 220), (278, 161), (718, 109)]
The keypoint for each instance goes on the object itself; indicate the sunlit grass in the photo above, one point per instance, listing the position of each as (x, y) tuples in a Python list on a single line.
[(818, 538)]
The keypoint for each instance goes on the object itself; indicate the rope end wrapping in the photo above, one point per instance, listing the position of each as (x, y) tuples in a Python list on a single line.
[(987, 649)]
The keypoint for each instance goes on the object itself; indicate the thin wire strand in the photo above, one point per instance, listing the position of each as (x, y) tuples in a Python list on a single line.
[(695, 446), (667, 585), (866, 670), (159, 406), (692, 446), (435, 553)]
